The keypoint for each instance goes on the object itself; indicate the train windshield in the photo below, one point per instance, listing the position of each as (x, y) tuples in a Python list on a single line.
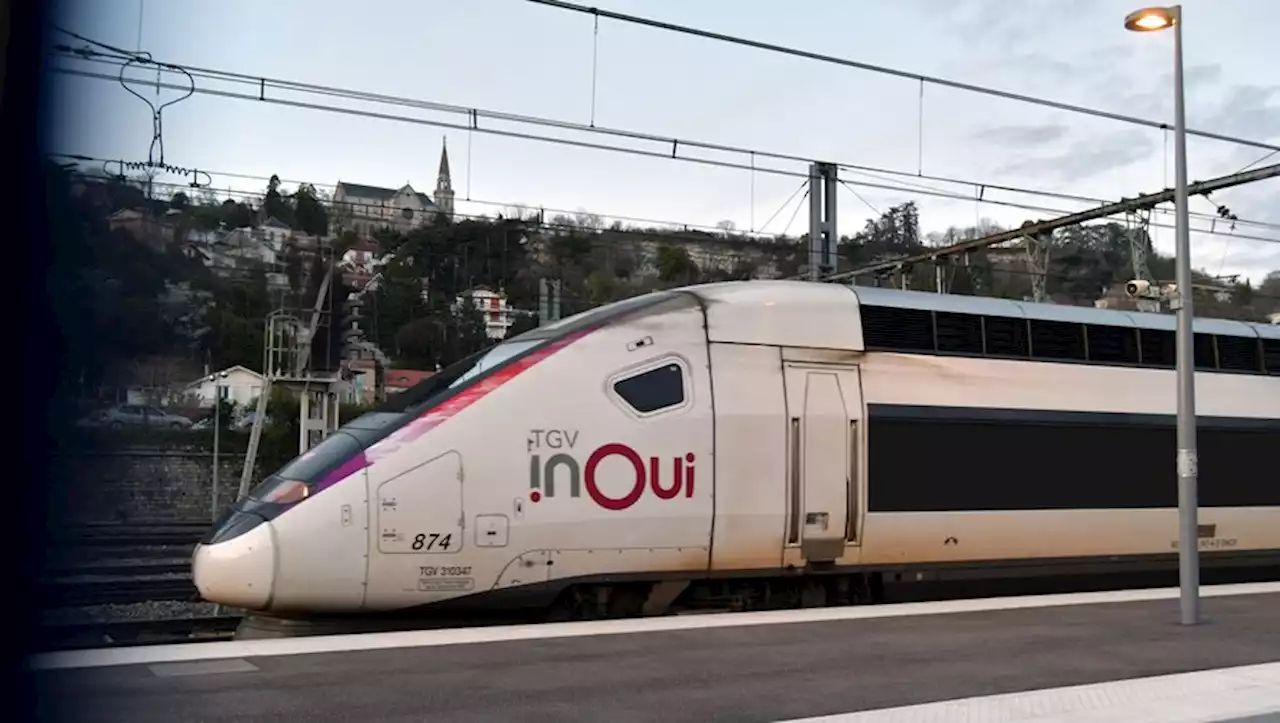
[(347, 442), (461, 374)]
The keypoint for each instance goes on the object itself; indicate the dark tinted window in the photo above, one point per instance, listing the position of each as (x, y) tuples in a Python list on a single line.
[(1271, 355), (1238, 353), (1057, 340), (949, 332), (653, 390), (1113, 344), (885, 327), (1158, 348), (1006, 336), (959, 333), (1205, 352)]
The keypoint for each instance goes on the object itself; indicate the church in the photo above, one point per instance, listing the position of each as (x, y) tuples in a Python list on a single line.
[(366, 209)]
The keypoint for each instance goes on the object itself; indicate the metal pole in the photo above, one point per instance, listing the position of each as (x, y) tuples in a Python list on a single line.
[(816, 187), (217, 424), (1188, 542), (830, 239)]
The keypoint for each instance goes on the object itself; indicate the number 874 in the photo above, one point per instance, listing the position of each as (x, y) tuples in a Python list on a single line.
[(431, 541)]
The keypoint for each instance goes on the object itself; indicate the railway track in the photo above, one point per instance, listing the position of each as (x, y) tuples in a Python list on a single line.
[(113, 568), (117, 591), (76, 636), (98, 535), (105, 564)]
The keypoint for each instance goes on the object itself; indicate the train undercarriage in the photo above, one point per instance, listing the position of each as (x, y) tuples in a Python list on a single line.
[(613, 599)]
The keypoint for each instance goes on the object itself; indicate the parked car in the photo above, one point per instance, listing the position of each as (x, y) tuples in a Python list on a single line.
[(240, 422), (134, 415)]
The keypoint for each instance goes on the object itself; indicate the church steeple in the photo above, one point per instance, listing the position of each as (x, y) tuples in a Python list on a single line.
[(444, 184)]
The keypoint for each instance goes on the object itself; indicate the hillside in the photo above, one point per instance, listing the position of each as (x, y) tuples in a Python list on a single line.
[(132, 294)]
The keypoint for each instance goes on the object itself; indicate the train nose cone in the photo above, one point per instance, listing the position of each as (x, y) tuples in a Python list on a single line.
[(239, 571)]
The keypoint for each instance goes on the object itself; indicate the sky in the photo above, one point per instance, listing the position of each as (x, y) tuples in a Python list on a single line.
[(518, 57)]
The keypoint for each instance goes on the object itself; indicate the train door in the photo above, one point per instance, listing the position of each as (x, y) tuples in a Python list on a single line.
[(417, 533), (824, 411)]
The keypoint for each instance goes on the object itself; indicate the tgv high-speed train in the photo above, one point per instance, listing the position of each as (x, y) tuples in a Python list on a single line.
[(766, 440)]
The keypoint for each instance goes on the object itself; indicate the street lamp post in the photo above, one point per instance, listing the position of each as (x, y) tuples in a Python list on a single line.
[(217, 379), (1151, 20)]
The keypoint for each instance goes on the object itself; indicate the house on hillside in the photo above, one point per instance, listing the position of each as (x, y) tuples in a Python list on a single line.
[(147, 229), (242, 386), (359, 263), (493, 306)]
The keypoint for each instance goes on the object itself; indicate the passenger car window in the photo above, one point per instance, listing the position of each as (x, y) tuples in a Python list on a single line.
[(653, 390)]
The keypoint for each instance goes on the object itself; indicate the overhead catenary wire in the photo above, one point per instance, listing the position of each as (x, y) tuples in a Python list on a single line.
[(1260, 160), (633, 151), (796, 52), (714, 229), (1032, 229), (994, 202), (803, 185), (473, 115), (541, 209)]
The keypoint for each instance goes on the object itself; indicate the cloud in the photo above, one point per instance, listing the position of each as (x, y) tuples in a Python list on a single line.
[(1021, 135), (1253, 260), (1251, 111), (1195, 76), (1007, 22), (1243, 110), (1087, 157)]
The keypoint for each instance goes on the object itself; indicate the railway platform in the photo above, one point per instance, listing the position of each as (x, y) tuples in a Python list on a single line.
[(1118, 656)]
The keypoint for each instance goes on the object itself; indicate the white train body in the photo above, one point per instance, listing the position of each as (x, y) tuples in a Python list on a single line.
[(765, 428)]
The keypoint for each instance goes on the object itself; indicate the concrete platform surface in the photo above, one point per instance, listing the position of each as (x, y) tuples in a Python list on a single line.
[(763, 673)]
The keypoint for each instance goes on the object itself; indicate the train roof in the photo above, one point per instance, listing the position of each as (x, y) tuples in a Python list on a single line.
[(803, 302)]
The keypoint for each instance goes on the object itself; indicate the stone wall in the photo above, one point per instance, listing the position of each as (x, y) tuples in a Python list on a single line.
[(140, 485)]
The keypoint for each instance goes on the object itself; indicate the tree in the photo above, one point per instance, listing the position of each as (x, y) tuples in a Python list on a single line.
[(522, 323), (179, 201), (895, 233), (467, 329), (310, 215), (236, 214), (675, 266), (1267, 296), (275, 205), (236, 320), (396, 302), (109, 291), (419, 343)]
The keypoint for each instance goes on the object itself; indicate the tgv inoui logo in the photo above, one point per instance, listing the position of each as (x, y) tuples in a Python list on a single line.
[(562, 465)]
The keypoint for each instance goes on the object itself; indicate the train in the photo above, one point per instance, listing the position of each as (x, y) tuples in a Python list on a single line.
[(759, 444)]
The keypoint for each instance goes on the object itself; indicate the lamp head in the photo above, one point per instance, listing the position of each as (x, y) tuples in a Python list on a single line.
[(1152, 19)]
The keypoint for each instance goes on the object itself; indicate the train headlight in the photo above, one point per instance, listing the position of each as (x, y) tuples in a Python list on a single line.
[(286, 492)]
